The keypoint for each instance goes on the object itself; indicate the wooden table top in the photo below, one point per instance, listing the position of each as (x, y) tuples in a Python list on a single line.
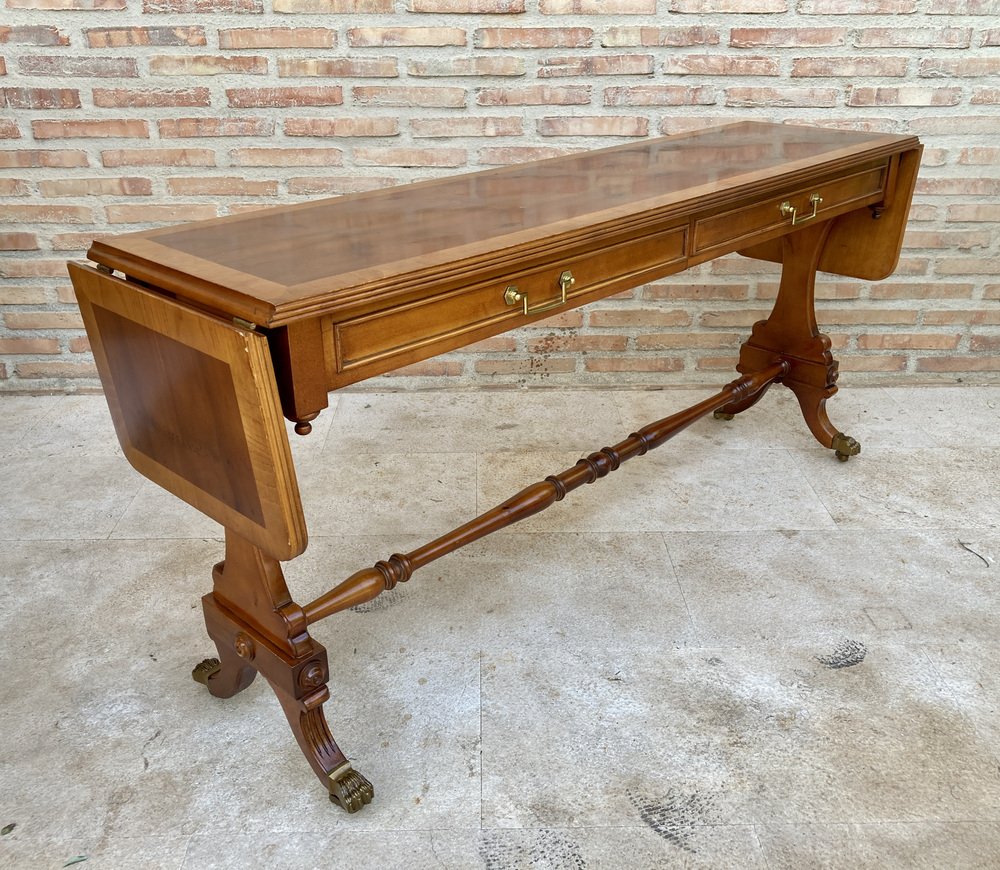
[(277, 265)]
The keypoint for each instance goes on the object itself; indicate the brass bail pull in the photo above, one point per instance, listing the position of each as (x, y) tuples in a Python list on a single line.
[(511, 295), (789, 210)]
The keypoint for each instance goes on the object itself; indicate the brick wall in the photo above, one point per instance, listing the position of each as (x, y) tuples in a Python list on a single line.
[(117, 115)]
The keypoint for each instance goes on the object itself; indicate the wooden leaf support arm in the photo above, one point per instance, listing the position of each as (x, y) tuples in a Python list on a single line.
[(366, 584)]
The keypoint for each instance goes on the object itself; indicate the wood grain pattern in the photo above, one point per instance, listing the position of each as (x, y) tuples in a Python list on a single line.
[(195, 407)]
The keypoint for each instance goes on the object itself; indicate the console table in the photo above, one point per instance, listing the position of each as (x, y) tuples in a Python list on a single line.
[(206, 334)]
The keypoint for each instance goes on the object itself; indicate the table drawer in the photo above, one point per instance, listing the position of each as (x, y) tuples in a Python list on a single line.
[(443, 321), (730, 228)]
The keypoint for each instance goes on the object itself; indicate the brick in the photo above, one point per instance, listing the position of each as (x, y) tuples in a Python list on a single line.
[(428, 97), (434, 368), (913, 37), (11, 295), (633, 364), (641, 317), (976, 317), (936, 290), (332, 7), (533, 37), (654, 37), (341, 127), (985, 97), (42, 98), (76, 242), (466, 66), (953, 186), (991, 37), (49, 214), (206, 7), (79, 67), (14, 187), (787, 37), (31, 268), (963, 363), (206, 65), (991, 291), (338, 185), (357, 67), (431, 128), (32, 370), (980, 156), (535, 95), (477, 7), (708, 7), (36, 158), (968, 266), (142, 214), (510, 154), (716, 363), (963, 7), (69, 5), (979, 343), (593, 126), (29, 345), (122, 37), (229, 186), (33, 35), (853, 67), (43, 320), (531, 366), (701, 292), (575, 343), (824, 290), (907, 341), (597, 7), (960, 67), (949, 240), (18, 242), (857, 7), (674, 340), (964, 125), (80, 344), (719, 65), (121, 98), (365, 156), (382, 37), (158, 157), (256, 98), (743, 97), (178, 128), (286, 157), (116, 186), (905, 96), (659, 95), (732, 318), (596, 65), (880, 363), (90, 129), (9, 129), (277, 37)]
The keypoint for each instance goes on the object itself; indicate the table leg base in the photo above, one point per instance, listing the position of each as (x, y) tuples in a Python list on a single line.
[(349, 789), (845, 446)]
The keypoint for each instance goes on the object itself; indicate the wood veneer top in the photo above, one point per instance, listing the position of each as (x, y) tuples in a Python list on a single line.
[(280, 264)]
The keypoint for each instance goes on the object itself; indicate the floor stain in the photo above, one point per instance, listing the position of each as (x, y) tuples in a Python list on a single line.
[(675, 817), (382, 602), (847, 654), (530, 850)]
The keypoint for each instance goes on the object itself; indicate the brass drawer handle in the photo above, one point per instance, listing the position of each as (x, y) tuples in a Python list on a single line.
[(512, 295), (788, 210)]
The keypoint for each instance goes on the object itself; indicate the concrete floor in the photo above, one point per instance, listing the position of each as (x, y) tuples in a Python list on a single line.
[(735, 652)]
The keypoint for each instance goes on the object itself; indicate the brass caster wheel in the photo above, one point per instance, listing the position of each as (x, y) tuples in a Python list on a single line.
[(350, 789), (205, 670), (722, 415), (845, 447)]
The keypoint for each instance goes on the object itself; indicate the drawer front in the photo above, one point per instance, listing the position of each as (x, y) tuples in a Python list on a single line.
[(440, 322), (740, 226)]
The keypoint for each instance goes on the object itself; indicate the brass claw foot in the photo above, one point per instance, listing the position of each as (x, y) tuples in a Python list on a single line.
[(350, 789), (204, 671), (722, 415), (845, 446)]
